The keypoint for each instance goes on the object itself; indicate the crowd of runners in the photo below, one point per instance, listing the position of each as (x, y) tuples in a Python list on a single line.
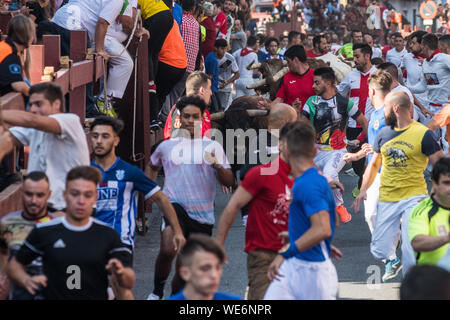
[(386, 119)]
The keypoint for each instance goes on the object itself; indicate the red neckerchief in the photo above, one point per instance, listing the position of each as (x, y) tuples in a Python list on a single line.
[(420, 55), (434, 53), (246, 51)]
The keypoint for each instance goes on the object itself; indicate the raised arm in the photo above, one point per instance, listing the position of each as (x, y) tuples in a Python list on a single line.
[(30, 120)]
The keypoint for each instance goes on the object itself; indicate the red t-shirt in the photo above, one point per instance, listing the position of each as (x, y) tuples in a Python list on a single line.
[(176, 123), (385, 50), (222, 24), (297, 86), (269, 210)]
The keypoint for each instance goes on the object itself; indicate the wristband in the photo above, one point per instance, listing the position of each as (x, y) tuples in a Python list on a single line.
[(290, 251)]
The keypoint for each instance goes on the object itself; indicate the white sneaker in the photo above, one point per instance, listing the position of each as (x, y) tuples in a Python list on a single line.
[(153, 296)]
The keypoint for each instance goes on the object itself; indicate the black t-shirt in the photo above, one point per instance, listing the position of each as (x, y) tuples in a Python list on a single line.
[(10, 66), (74, 258)]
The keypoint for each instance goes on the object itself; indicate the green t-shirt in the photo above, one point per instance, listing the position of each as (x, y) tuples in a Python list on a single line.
[(430, 219), (347, 50)]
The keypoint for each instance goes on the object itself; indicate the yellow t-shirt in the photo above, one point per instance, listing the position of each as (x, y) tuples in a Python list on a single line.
[(404, 158), (151, 7), (429, 219)]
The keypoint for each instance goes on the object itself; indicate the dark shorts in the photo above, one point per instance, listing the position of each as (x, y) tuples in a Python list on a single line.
[(187, 224)]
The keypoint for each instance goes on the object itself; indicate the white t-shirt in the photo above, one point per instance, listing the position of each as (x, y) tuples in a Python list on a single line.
[(408, 92), (395, 57), (376, 52), (437, 77), (227, 66), (84, 14), (244, 61), (189, 179), (56, 154), (415, 80)]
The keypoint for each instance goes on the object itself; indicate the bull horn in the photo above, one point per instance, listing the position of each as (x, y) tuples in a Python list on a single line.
[(284, 62), (253, 66), (257, 84), (280, 74), (217, 116), (257, 113)]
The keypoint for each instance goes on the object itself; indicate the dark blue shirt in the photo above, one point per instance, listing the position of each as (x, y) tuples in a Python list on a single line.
[(217, 296), (212, 67)]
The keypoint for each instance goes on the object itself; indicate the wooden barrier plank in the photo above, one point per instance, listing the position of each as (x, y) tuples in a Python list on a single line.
[(81, 73), (11, 199), (78, 45), (12, 100), (77, 102), (37, 58), (62, 77), (52, 50)]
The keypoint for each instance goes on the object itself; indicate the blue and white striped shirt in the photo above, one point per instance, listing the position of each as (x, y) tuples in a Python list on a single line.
[(118, 197)]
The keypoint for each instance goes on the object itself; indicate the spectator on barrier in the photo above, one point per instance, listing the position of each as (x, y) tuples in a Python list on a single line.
[(57, 140), (200, 268), (15, 226), (20, 36)]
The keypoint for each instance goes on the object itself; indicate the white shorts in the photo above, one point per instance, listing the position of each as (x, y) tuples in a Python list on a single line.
[(390, 215), (304, 280), (370, 205), (331, 162)]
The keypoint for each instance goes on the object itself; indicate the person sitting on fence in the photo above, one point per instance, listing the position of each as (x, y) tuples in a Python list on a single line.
[(57, 140), (96, 16), (20, 36)]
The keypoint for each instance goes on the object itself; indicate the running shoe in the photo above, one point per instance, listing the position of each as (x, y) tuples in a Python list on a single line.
[(344, 215), (106, 109), (392, 269), (155, 125), (355, 192)]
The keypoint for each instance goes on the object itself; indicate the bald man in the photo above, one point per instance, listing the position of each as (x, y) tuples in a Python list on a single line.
[(402, 150), (376, 52)]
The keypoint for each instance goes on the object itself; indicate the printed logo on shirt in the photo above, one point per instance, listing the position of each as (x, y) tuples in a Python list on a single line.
[(120, 174), (293, 81), (431, 79), (398, 156), (59, 244), (14, 69), (107, 198), (376, 125)]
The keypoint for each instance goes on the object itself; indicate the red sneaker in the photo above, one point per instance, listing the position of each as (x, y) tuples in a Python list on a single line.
[(344, 215)]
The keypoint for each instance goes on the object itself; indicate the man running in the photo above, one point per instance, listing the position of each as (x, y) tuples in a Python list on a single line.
[(329, 113), (303, 270), (78, 251), (16, 226), (192, 165), (402, 150), (121, 182)]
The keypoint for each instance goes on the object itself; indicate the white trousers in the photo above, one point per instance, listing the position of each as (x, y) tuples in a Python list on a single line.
[(304, 280), (390, 216), (331, 162), (119, 70), (370, 205), (241, 87)]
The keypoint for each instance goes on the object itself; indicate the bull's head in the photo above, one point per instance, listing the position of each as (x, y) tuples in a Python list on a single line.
[(272, 71)]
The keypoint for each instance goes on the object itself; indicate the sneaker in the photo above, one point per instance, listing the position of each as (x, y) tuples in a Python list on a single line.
[(106, 109), (93, 113), (392, 268), (344, 215), (153, 296), (355, 192), (152, 88)]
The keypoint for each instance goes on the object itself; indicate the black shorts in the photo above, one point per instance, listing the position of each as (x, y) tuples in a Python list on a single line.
[(187, 224)]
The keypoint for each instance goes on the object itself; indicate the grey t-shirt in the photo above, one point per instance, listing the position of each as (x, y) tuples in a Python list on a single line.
[(240, 42)]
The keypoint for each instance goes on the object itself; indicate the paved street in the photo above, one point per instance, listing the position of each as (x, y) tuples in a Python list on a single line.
[(358, 272)]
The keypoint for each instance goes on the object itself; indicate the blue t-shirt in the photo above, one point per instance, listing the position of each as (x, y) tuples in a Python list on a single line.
[(177, 13), (212, 67), (217, 296), (268, 57), (311, 193), (118, 197), (376, 123)]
